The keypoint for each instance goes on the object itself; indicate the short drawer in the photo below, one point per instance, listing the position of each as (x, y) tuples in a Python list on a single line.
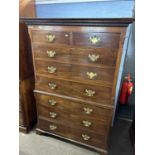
[(75, 72), (73, 89), (84, 56), (78, 108), (51, 52), (53, 69), (94, 56), (79, 135), (96, 39), (51, 37)]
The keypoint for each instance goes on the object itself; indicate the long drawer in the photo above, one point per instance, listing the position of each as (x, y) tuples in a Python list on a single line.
[(71, 119), (85, 110), (83, 56), (75, 72), (80, 135), (73, 89)]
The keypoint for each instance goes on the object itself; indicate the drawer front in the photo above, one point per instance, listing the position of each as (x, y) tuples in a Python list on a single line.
[(94, 56), (51, 37), (77, 108), (52, 52), (84, 56), (71, 119), (97, 39), (77, 90), (75, 72), (53, 69), (79, 135)]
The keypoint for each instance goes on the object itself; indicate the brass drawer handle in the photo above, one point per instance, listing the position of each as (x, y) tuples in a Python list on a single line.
[(93, 57), (91, 75), (86, 123), (50, 37), (51, 69), (52, 102), (87, 110), (52, 85), (94, 39), (53, 114), (51, 54), (52, 127), (66, 35), (85, 137), (89, 92)]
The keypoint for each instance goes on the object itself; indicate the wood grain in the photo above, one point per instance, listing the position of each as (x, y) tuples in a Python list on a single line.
[(27, 107), (41, 36), (80, 28), (73, 55), (73, 133), (21, 119), (74, 107), (102, 94), (74, 120), (27, 102), (75, 72), (25, 55), (109, 40)]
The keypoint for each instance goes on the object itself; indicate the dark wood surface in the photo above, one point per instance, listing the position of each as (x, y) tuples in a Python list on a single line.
[(73, 133), (71, 28), (67, 83), (84, 145), (75, 72), (74, 120), (25, 54), (106, 105), (27, 107), (27, 113), (76, 90), (73, 107), (21, 118), (110, 40), (74, 55), (108, 22)]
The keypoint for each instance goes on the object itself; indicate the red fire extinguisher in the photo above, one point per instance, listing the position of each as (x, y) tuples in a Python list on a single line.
[(126, 90)]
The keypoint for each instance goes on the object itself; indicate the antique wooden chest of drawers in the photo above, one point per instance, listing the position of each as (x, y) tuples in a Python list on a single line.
[(76, 65)]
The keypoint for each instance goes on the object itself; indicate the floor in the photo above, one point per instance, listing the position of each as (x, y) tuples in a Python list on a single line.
[(33, 144), (126, 111)]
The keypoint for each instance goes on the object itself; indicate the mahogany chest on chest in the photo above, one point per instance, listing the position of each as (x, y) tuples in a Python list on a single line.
[(76, 64)]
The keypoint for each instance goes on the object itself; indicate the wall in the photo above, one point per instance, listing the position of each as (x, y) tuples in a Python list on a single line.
[(108, 9), (69, 1)]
